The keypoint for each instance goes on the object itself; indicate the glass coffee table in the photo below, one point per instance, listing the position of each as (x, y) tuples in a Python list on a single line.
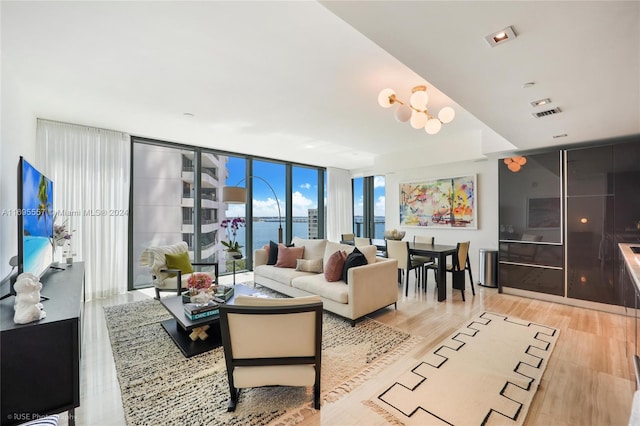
[(180, 327)]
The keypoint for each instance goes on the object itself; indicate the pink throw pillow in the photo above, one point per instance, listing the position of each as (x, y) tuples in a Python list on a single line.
[(334, 266), (287, 256)]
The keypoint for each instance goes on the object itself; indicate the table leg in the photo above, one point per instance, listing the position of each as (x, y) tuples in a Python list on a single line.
[(442, 277)]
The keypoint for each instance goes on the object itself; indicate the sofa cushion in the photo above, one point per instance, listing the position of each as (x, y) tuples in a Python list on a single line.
[(333, 267), (309, 265), (287, 256), (272, 253), (313, 249), (282, 275), (355, 258), (332, 247), (179, 261), (317, 284), (370, 252)]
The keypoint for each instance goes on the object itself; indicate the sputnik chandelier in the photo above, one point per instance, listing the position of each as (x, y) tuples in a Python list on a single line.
[(515, 163), (416, 111)]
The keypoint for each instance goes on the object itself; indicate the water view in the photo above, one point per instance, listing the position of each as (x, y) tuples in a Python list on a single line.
[(267, 230)]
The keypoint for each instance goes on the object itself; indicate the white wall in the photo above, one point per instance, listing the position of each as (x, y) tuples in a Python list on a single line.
[(486, 236), (18, 138)]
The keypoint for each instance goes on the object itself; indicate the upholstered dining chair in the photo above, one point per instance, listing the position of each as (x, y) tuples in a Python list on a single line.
[(170, 265), (460, 264), (272, 342), (347, 238), (399, 250), (360, 241)]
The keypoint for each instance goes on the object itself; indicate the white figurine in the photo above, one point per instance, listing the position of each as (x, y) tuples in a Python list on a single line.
[(27, 304)]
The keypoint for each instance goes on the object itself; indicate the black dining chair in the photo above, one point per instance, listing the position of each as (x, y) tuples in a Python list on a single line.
[(460, 264), (430, 262)]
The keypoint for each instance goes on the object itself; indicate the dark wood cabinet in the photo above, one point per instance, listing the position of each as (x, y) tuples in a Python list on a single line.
[(40, 373)]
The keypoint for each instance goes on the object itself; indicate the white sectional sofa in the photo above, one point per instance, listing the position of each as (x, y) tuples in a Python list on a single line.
[(370, 287)]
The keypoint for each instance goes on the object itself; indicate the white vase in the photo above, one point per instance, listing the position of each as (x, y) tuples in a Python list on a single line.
[(234, 255)]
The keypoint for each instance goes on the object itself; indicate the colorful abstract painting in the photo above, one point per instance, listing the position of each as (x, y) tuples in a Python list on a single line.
[(439, 203)]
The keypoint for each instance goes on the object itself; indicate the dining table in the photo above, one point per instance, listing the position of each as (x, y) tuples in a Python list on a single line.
[(438, 251)]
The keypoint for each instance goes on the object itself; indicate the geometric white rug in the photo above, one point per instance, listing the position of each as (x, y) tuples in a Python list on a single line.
[(486, 373)]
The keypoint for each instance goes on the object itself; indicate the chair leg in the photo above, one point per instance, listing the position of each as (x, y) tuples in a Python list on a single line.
[(470, 277), (407, 283), (316, 395), (233, 401), (406, 287), (157, 294), (473, 290)]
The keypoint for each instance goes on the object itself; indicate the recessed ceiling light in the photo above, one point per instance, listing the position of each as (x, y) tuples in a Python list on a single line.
[(188, 114), (541, 102), (562, 135), (500, 37), (528, 84)]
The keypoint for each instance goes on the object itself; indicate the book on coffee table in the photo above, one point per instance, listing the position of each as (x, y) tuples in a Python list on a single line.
[(192, 310), (201, 315)]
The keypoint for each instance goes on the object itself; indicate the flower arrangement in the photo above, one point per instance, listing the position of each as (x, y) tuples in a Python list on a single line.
[(198, 282), (231, 226), (61, 236)]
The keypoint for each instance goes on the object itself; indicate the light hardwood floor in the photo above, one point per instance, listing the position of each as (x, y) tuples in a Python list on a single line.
[(589, 379)]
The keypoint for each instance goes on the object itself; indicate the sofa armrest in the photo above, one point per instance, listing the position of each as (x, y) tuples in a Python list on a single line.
[(260, 257), (373, 286)]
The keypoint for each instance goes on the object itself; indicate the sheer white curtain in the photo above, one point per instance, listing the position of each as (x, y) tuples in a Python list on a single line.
[(90, 172), (339, 203)]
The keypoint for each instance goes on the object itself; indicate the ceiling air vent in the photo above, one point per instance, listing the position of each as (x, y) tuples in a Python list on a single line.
[(546, 113)]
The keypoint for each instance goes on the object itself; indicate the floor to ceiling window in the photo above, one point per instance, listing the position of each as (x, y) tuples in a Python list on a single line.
[(369, 206), (177, 196), (304, 200), (163, 201), (269, 202)]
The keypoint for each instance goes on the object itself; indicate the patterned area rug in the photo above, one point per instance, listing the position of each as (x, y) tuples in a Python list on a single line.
[(160, 386), (484, 374)]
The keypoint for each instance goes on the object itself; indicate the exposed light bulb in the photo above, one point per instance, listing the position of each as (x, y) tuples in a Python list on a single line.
[(433, 126), (446, 115), (418, 119), (403, 113), (419, 100), (385, 97)]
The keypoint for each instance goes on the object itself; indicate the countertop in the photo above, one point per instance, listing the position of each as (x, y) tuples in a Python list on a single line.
[(632, 261)]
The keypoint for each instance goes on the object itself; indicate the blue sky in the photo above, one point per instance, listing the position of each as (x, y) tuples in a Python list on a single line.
[(378, 195), (305, 188)]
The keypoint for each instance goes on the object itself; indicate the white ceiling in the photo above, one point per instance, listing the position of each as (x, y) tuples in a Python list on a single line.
[(299, 80)]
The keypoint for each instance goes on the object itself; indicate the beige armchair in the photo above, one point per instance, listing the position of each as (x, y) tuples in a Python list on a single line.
[(272, 342), (166, 279)]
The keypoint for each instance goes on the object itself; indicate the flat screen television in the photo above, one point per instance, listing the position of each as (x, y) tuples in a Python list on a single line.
[(35, 220)]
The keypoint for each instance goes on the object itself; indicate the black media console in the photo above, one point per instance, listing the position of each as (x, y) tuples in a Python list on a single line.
[(40, 372)]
